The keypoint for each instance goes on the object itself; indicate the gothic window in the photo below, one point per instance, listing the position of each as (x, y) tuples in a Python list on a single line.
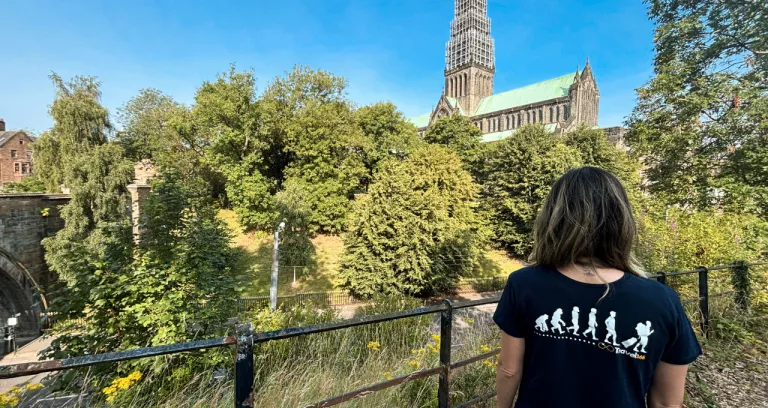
[(558, 112), (519, 119), (466, 85), (528, 117), (507, 122), (541, 115), (481, 126), (461, 86), (567, 113), (551, 114)]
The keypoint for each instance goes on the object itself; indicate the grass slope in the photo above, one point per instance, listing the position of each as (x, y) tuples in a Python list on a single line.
[(321, 272)]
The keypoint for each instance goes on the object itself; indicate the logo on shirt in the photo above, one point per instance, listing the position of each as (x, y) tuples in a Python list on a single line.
[(555, 330)]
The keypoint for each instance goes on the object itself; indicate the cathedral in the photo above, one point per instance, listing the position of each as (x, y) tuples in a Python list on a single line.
[(560, 103)]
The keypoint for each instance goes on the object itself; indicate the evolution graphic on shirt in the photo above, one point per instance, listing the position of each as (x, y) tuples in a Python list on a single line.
[(556, 324)]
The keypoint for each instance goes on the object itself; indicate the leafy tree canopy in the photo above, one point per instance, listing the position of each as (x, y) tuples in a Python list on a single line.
[(459, 134), (700, 123), (520, 174), (387, 133), (416, 231)]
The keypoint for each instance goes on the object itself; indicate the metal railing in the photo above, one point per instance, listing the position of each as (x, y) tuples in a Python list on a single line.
[(245, 338), (337, 298)]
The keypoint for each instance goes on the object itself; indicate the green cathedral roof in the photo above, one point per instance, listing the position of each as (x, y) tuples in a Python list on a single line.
[(538, 92), (421, 120), (533, 93)]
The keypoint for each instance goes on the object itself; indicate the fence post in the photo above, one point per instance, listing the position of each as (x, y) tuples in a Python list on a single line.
[(446, 326), (662, 278), (244, 366), (704, 299), (741, 283)]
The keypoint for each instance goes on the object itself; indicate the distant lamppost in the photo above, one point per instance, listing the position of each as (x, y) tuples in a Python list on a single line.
[(10, 329), (275, 266)]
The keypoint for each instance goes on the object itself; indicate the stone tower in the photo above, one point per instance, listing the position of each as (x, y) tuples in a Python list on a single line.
[(469, 55), (584, 97)]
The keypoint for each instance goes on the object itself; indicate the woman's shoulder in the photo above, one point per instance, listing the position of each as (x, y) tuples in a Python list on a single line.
[(527, 274), (657, 290)]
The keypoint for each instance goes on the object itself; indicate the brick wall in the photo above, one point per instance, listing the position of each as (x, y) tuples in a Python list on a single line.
[(15, 158)]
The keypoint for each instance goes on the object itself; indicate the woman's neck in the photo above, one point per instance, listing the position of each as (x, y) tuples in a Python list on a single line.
[(590, 273)]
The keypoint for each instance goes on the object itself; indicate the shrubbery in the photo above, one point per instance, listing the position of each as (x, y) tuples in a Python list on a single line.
[(416, 231)]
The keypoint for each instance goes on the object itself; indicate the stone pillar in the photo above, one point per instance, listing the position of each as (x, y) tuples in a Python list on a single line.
[(139, 192)]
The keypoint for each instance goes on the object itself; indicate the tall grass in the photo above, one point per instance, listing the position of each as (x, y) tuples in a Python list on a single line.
[(308, 369)]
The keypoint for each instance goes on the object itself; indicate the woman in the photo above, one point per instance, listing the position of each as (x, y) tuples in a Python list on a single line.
[(634, 345)]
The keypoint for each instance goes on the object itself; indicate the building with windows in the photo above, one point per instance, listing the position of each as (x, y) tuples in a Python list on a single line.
[(15, 155), (560, 103)]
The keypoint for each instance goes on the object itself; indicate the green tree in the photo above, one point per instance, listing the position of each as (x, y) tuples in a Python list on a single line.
[(416, 231), (227, 118), (700, 122), (145, 125), (310, 112), (520, 174), (596, 150), (459, 134), (387, 134), (30, 184), (180, 285), (95, 243)]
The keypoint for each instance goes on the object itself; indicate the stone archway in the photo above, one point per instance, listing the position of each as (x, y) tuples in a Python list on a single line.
[(19, 294)]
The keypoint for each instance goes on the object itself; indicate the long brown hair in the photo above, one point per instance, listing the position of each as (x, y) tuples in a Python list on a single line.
[(586, 219)]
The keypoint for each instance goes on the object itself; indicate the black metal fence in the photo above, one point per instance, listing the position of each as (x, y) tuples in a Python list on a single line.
[(337, 298), (245, 338)]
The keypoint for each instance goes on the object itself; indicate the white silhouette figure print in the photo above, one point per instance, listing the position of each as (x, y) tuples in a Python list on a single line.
[(574, 321), (541, 323), (643, 332), (610, 325), (556, 321), (592, 324)]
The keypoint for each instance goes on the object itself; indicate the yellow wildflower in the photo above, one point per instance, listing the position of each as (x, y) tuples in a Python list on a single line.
[(109, 390), (388, 375), (419, 352), (433, 348), (414, 364), (374, 345), (489, 363), (470, 321), (484, 348), (124, 383), (32, 387), (135, 376), (436, 338)]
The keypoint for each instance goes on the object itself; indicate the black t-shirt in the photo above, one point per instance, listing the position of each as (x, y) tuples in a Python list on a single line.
[(584, 352)]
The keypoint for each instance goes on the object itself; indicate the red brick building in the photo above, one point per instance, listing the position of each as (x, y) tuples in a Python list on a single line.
[(15, 155)]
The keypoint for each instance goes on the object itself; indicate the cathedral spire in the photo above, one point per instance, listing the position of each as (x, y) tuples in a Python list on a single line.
[(587, 73), (470, 42)]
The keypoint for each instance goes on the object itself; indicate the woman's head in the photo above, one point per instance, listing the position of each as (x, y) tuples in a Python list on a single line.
[(587, 218)]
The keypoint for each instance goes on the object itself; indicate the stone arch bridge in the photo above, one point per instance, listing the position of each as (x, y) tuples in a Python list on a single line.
[(25, 219)]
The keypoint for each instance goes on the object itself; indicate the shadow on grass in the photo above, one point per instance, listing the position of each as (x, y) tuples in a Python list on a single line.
[(298, 258)]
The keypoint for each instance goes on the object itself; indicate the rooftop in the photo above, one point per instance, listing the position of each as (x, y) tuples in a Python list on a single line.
[(538, 92)]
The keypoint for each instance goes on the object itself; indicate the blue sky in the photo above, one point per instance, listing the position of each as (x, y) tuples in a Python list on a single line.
[(387, 49)]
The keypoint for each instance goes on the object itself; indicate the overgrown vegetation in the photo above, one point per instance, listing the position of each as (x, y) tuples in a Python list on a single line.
[(416, 231), (414, 215)]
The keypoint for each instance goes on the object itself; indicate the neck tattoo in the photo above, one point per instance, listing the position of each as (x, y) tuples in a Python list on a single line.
[(588, 270)]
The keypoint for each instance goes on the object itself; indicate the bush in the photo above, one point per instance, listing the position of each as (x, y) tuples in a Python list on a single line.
[(520, 174), (416, 231)]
